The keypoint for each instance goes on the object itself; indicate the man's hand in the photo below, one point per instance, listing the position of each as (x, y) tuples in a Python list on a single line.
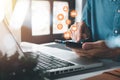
[(97, 49), (82, 31)]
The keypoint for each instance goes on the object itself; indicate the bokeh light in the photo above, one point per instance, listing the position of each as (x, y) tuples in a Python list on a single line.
[(67, 35), (68, 22), (73, 13), (74, 28), (65, 8), (59, 26), (60, 17)]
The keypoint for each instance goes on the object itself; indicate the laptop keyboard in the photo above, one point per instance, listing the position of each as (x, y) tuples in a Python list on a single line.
[(47, 62)]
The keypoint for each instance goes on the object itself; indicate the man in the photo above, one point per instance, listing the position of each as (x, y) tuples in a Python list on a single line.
[(100, 21)]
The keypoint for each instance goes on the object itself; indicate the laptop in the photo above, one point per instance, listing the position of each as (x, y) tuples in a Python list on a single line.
[(55, 59)]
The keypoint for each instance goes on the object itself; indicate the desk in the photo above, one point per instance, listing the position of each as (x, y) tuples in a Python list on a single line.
[(108, 65)]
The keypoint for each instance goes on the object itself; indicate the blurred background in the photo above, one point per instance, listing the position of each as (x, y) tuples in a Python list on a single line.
[(40, 21)]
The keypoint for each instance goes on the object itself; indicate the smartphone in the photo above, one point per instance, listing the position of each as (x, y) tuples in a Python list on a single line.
[(69, 43), (72, 44)]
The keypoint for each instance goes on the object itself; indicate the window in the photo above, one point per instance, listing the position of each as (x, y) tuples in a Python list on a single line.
[(15, 12), (40, 18), (48, 20), (58, 11)]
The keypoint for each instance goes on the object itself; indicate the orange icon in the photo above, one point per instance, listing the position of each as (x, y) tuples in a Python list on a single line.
[(68, 22), (74, 28), (59, 26), (60, 17), (67, 35), (73, 13), (65, 8)]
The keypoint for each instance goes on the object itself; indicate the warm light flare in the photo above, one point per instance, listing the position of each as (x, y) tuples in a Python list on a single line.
[(11, 48), (7, 43), (2, 9), (19, 13), (67, 35)]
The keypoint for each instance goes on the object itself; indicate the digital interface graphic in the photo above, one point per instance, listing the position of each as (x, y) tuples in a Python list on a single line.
[(73, 28), (68, 21), (59, 26), (66, 8), (61, 17), (73, 13)]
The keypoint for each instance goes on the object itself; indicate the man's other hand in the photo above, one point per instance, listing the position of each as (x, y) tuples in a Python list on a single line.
[(97, 49)]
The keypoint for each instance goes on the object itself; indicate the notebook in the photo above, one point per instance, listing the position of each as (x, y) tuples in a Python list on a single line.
[(55, 61)]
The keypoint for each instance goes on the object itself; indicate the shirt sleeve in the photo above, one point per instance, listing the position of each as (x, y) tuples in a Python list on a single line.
[(86, 14)]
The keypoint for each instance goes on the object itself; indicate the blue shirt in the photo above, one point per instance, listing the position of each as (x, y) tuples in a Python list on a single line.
[(102, 17)]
